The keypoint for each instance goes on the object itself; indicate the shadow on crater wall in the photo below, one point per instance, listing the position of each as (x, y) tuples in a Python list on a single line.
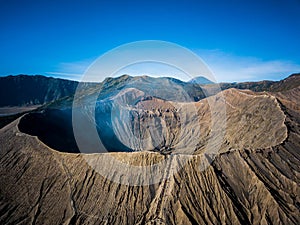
[(54, 128)]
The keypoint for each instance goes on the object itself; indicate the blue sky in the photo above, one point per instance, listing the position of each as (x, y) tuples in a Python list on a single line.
[(239, 40)]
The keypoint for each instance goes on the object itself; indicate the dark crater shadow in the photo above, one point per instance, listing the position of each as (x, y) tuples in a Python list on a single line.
[(54, 128)]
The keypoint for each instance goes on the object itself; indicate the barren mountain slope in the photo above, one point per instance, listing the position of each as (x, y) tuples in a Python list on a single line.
[(25, 90), (254, 179)]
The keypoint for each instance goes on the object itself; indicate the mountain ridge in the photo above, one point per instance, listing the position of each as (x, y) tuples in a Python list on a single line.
[(38, 89), (200, 80), (22, 90)]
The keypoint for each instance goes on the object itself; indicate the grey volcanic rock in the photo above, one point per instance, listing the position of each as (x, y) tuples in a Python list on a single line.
[(254, 180)]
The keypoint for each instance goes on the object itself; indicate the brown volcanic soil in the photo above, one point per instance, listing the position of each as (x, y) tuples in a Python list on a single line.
[(254, 180)]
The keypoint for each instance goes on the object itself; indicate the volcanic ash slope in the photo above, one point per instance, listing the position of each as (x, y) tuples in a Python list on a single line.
[(253, 180)]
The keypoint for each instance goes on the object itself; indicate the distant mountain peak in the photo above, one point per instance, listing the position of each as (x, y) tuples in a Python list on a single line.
[(201, 80)]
